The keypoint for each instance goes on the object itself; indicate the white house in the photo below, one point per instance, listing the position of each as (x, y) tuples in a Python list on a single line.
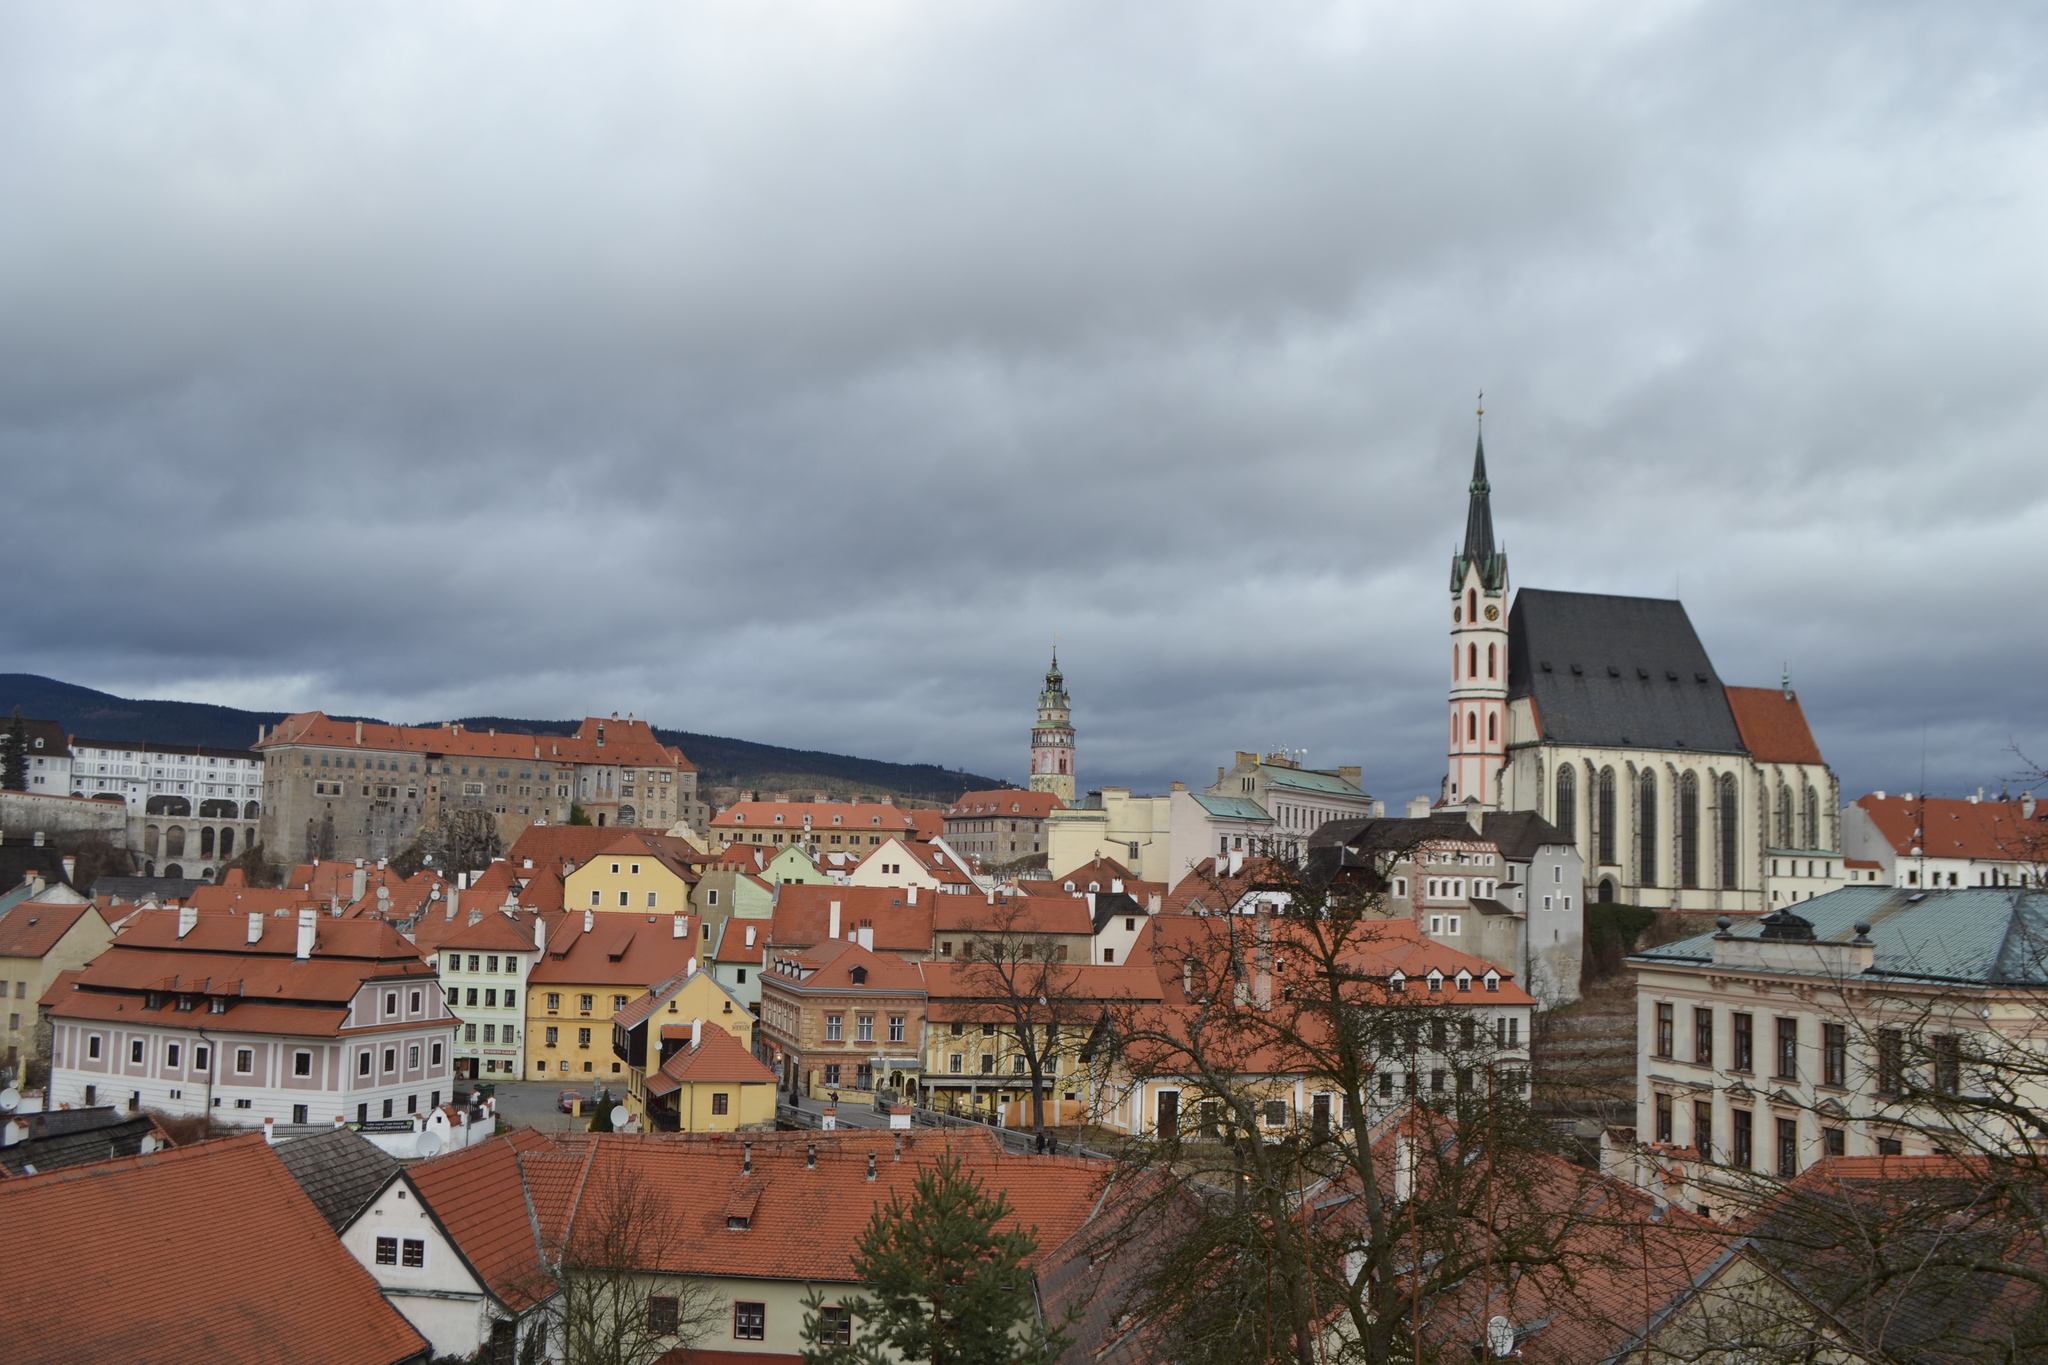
[(254, 1017), (1925, 841), (484, 966)]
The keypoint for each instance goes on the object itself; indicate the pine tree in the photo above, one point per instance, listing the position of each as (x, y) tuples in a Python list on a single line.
[(943, 1283), (14, 755)]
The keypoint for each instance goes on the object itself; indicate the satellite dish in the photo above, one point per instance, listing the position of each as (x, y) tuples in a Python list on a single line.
[(619, 1116), (10, 1100), (429, 1143), (1500, 1337)]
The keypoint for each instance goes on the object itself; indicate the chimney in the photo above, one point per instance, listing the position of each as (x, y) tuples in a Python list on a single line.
[(1354, 776), (866, 935), (1418, 808), (2027, 806), (270, 1130), (871, 1165), (476, 916), (589, 920), (1152, 904), (359, 884), (696, 1034), (690, 967), (188, 920), (750, 935), (1178, 786), (1219, 773), (681, 929), (1236, 861), (811, 1155), (70, 861), (747, 1159), (359, 732), (309, 924), (255, 926), (35, 882), (540, 934), (1116, 884), (1404, 1169), (832, 928), (454, 895), (913, 896), (899, 1147)]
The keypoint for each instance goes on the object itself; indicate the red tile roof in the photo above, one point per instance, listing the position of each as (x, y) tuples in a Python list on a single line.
[(494, 932), (1006, 801), (830, 966), (222, 1258), (33, 928), (1998, 831), (732, 940), (621, 948), (960, 990), (625, 743), (476, 1196), (825, 815), (1773, 726), (1062, 914), (803, 916), (718, 1057)]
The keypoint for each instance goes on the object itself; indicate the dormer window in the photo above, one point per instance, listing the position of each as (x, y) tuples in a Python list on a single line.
[(736, 1223), (1436, 983), (1465, 982), (1493, 981), (1397, 983), (778, 820), (859, 975)]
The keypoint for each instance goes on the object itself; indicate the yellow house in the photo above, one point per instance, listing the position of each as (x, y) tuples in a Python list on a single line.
[(689, 997), (647, 874), (708, 1084), (596, 965), (38, 940)]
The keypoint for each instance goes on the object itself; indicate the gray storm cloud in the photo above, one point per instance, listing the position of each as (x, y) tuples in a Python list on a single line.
[(798, 372)]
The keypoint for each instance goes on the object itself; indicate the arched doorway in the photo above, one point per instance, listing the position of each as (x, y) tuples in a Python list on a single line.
[(1606, 891), (173, 870), (174, 842)]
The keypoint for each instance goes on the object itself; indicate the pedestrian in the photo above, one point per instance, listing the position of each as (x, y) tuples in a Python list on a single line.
[(1038, 1144), (1052, 1145)]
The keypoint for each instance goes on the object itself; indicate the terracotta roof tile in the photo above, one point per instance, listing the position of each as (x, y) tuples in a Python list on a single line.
[(1006, 801), (621, 948), (803, 916), (194, 1279), (33, 928), (478, 1197), (1997, 831), (829, 966), (718, 1056), (626, 743), (1773, 726)]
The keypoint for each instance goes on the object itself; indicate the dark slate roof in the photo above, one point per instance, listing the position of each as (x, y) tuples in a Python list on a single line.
[(72, 1137), (1479, 547), (341, 1171), (133, 889), (1110, 904), (1980, 935), (1619, 672), (1519, 833)]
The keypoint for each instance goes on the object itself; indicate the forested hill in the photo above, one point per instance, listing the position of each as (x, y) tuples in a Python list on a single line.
[(721, 762)]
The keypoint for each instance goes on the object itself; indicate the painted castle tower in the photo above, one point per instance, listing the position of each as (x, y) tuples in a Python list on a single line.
[(1052, 739), (1479, 654)]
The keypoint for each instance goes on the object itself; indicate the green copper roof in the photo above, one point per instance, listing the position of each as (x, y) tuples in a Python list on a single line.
[(1230, 807), (1297, 779)]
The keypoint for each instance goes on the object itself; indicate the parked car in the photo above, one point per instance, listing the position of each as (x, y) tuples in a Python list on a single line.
[(568, 1101)]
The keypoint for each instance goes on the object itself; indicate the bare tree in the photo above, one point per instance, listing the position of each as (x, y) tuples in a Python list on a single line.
[(1017, 979), (609, 1303)]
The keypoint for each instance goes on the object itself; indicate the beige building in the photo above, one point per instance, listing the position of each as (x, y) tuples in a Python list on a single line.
[(1135, 831), (1774, 1043), (351, 789), (38, 940), (993, 828)]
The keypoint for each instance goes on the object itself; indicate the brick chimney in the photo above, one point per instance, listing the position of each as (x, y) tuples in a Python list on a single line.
[(188, 920), (832, 929), (682, 927), (255, 926), (309, 925)]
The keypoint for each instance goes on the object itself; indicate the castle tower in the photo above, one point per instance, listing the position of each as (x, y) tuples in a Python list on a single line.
[(1052, 739), (1479, 653)]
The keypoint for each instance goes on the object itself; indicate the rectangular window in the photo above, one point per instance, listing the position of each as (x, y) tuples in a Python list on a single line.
[(1276, 1113), (618, 1002), (391, 1059), (554, 1035), (835, 1027), (245, 1061), (92, 1046), (1835, 1141), (469, 1033), (414, 1253), (587, 1003), (1891, 1061), (1703, 1129), (988, 1064), (1745, 1139), (135, 1051), (387, 1251), (835, 1325), (554, 1002), (864, 1028), (362, 1064), (749, 1321), (1664, 1030), (1788, 1049), (956, 1063), (663, 1315), (201, 1058), (1745, 1042), (1663, 1104), (302, 1063), (583, 1037), (1788, 1148), (1703, 1036), (718, 1100), (895, 1028), (1948, 1063), (832, 1072), (491, 1000), (1834, 1054), (170, 1054)]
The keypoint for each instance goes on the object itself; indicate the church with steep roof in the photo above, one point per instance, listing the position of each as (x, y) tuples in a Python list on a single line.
[(1604, 715)]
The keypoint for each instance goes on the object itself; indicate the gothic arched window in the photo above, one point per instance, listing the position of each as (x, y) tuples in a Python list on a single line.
[(1490, 662), (1471, 661), (1646, 846), (1688, 830), (1784, 816), (1472, 605), (1603, 817), (1728, 828), (1472, 725), (1565, 815), (1809, 822), (1492, 725)]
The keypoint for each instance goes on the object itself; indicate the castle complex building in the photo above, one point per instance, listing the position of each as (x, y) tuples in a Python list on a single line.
[(1605, 716), (1052, 739)]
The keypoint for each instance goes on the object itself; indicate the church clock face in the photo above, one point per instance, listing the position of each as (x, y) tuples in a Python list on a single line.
[(1492, 612), (1457, 615)]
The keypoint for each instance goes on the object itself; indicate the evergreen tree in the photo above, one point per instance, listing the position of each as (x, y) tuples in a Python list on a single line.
[(944, 1284), (14, 755)]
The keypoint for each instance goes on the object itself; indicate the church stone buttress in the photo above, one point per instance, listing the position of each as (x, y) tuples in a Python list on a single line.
[(1479, 654), (1052, 739)]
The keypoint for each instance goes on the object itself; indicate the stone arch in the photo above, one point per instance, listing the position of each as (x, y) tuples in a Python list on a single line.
[(1606, 890), (173, 870), (628, 816), (169, 805), (227, 841), (206, 842), (216, 810), (252, 811), (151, 838), (174, 842)]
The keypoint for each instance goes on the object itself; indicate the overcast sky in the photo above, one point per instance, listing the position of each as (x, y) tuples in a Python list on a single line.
[(797, 372)]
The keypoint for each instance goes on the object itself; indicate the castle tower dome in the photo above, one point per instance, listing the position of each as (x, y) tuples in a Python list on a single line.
[(1479, 652), (1052, 739)]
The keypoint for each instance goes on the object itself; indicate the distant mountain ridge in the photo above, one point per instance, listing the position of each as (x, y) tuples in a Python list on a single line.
[(720, 761)]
